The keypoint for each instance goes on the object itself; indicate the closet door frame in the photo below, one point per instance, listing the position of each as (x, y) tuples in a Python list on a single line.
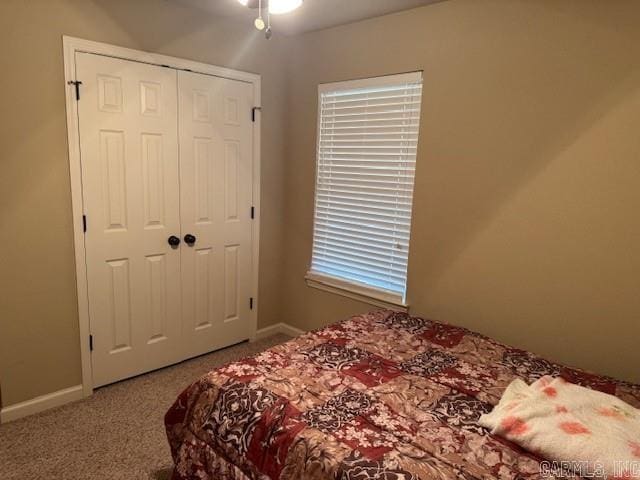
[(71, 46)]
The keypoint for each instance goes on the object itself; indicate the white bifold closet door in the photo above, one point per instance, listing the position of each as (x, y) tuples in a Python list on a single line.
[(215, 205), (164, 154), (131, 194)]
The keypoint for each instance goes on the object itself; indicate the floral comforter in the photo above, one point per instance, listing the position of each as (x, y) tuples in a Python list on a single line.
[(382, 396)]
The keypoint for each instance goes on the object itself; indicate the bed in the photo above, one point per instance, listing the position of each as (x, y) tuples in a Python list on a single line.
[(383, 396)]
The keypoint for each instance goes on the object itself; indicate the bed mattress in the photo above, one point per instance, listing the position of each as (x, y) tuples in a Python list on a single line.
[(382, 396)]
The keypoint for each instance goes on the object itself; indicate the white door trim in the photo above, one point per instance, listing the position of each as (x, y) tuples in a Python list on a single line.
[(73, 45)]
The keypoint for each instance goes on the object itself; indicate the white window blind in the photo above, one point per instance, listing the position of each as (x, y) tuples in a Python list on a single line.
[(367, 142)]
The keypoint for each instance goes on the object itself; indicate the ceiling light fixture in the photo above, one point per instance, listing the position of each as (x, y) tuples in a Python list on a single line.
[(275, 7)]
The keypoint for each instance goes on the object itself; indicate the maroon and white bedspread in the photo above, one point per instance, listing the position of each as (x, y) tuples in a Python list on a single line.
[(380, 396)]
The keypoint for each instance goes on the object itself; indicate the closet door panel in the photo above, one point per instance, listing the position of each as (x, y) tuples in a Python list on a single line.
[(215, 132), (129, 154)]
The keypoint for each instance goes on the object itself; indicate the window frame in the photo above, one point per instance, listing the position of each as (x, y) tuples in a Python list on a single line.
[(341, 286)]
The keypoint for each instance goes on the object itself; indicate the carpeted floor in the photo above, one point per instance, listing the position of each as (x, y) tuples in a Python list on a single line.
[(118, 433)]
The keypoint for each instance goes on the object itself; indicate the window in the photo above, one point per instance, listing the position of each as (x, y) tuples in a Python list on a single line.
[(367, 141)]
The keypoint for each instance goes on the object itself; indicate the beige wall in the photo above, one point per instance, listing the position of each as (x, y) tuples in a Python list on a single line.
[(39, 348), (526, 223)]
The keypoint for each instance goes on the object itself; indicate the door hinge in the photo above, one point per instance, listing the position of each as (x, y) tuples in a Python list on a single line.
[(77, 84), (91, 343), (253, 212), (251, 303), (253, 113), (84, 223)]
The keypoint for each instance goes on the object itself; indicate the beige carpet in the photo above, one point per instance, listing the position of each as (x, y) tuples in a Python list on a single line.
[(118, 433)]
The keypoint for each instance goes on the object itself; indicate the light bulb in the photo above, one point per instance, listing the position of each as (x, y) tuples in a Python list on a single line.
[(259, 23), (244, 2), (283, 6)]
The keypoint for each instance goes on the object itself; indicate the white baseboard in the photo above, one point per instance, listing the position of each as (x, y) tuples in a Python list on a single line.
[(290, 330), (71, 394), (282, 327), (39, 404)]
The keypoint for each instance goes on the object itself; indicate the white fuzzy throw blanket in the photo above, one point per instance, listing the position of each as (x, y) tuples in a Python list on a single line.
[(592, 433)]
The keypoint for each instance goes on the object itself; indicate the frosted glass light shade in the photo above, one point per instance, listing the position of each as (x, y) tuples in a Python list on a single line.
[(283, 6)]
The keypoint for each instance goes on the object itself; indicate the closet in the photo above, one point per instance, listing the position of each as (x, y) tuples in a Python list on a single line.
[(166, 158)]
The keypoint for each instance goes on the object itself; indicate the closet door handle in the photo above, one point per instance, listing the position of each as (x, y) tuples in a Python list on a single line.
[(173, 241), (189, 239)]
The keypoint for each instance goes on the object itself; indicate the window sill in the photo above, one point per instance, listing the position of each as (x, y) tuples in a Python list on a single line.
[(355, 292)]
